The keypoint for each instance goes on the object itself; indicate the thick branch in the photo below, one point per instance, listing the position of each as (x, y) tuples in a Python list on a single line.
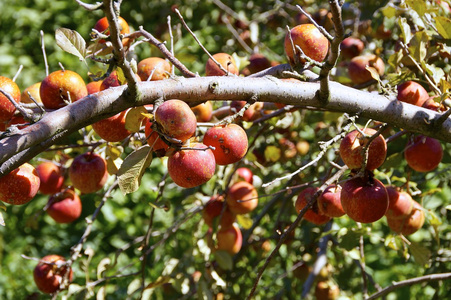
[(268, 89)]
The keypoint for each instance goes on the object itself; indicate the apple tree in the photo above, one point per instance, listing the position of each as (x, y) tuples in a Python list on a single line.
[(225, 149)]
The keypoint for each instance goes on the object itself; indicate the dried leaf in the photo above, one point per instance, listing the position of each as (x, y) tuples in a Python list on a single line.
[(133, 168), (103, 266), (71, 42)]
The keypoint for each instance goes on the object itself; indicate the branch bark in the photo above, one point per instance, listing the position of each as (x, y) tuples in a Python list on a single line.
[(268, 89)]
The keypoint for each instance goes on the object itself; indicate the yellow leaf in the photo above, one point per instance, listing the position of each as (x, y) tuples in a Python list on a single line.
[(134, 118)]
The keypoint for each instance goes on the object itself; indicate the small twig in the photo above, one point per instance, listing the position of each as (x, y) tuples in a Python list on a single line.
[(90, 7), (366, 147), (44, 54), (23, 112), (320, 28), (172, 43), (362, 264), (18, 73), (236, 35)]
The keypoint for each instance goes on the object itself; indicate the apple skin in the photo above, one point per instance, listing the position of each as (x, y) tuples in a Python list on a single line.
[(147, 66), (88, 172), (20, 185), (412, 92), (176, 119), (102, 26), (203, 111), (326, 291), (423, 154), (351, 47), (312, 215), (57, 85), (242, 198), (411, 223), (112, 129), (364, 200), (230, 239), (244, 174), (357, 68), (191, 168), (154, 140), (432, 105), (258, 62), (65, 208), (7, 109), (230, 143), (329, 202), (48, 276), (34, 91), (51, 177), (312, 42), (213, 210), (225, 60), (94, 87), (351, 150), (400, 204)]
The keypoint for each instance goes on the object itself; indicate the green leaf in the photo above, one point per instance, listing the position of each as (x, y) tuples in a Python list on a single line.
[(224, 259), (71, 42), (245, 221), (420, 254), (133, 168), (349, 240), (354, 254), (448, 207), (417, 5), (272, 153), (405, 30), (103, 266), (393, 161), (443, 26), (393, 242), (417, 47), (436, 73)]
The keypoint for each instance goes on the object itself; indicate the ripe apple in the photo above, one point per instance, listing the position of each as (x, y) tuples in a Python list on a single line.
[(102, 26), (158, 67), (51, 177), (34, 92), (313, 214), (203, 111), (302, 147), (212, 211), (7, 109), (351, 47), (190, 168), (302, 270), (357, 68), (409, 224), (154, 140), (329, 202), (312, 42), (111, 81), (251, 114), (351, 150), (94, 87), (423, 153), (65, 207), (364, 200), (244, 174), (59, 86), (432, 105), (400, 204), (242, 198), (19, 186), (230, 239), (112, 129), (225, 60), (230, 143), (176, 119), (326, 290), (49, 273), (88, 172), (412, 92), (17, 120), (258, 62)]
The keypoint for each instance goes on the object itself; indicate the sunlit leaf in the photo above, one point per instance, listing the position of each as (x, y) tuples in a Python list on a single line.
[(2, 221), (417, 5), (134, 118), (443, 25), (417, 46), (405, 29), (133, 286), (272, 153), (71, 42), (244, 220), (103, 265), (133, 168)]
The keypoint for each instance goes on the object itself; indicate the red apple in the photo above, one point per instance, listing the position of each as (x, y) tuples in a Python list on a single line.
[(242, 198), (158, 67), (351, 47), (190, 168), (94, 87), (19, 186), (230, 239), (364, 200), (357, 68), (34, 92), (409, 224), (312, 42), (65, 207), (326, 290), (329, 202), (7, 109), (400, 204), (176, 119), (432, 105), (112, 129), (423, 153), (351, 149), (258, 62), (102, 26), (230, 143), (154, 140), (203, 111), (244, 174), (51, 176), (49, 273), (225, 60), (60, 86), (412, 92), (88, 172), (313, 214), (212, 211)]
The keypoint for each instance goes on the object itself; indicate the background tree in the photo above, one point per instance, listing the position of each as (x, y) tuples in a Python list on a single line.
[(154, 243)]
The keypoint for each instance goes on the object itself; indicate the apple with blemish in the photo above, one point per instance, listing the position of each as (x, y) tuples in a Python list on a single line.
[(329, 202), (61, 87), (20, 185), (230, 143), (312, 42), (49, 273)]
